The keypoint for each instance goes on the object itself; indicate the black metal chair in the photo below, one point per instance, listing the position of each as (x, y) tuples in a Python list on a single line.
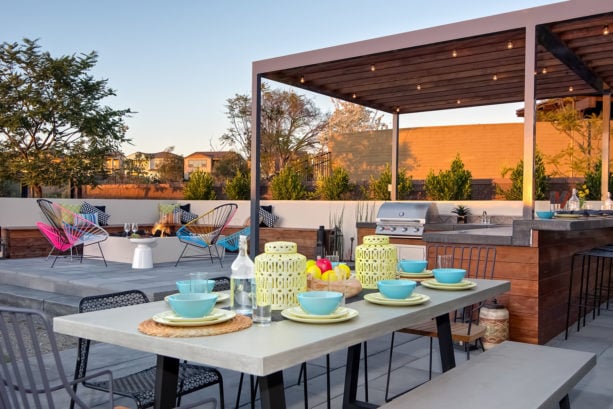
[(140, 385), (479, 262), (26, 380)]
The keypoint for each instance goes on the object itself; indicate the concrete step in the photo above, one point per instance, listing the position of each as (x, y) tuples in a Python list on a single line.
[(52, 304)]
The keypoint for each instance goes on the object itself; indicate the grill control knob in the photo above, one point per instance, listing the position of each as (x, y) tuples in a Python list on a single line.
[(392, 228), (415, 229), (404, 229)]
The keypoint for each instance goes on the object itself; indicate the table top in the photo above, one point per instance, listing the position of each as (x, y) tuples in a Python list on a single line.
[(261, 350)]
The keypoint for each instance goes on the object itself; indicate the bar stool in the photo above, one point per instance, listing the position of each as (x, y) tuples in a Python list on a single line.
[(596, 266)]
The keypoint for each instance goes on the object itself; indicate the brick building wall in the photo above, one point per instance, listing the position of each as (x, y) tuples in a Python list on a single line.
[(485, 149)]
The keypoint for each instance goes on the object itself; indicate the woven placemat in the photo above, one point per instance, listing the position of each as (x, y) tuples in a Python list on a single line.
[(151, 327)]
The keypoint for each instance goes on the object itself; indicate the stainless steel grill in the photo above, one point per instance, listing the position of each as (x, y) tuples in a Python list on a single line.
[(403, 219)]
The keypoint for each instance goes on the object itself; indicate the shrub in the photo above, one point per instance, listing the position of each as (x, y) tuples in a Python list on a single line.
[(515, 192), (592, 182), (335, 186), (287, 185), (239, 187), (452, 184), (199, 187), (378, 188)]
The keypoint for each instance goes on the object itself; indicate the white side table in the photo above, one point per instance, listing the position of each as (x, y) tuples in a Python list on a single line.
[(143, 255)]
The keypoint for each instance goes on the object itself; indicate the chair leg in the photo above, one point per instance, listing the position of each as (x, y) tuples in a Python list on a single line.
[(181, 255), (102, 254)]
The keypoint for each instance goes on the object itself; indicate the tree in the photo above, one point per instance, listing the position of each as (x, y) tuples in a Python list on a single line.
[(291, 125), (287, 185), (239, 187), (199, 187), (349, 118), (335, 186), (171, 166), (50, 110), (452, 184), (378, 188), (517, 180), (582, 132), (228, 166)]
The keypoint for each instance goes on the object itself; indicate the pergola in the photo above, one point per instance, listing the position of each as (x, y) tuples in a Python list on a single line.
[(554, 51)]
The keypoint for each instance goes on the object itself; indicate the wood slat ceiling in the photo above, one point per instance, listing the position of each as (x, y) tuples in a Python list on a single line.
[(484, 71)]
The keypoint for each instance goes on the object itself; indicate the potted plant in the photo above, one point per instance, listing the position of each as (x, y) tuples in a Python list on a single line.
[(462, 212)]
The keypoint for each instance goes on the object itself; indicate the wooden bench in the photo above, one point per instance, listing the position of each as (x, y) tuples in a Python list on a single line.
[(509, 376)]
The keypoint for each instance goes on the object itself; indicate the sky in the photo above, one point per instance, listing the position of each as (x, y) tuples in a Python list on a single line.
[(175, 63)]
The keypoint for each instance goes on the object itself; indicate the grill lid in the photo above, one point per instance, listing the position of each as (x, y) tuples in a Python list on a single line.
[(402, 218)]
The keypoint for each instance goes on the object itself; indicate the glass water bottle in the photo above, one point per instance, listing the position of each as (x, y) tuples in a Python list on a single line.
[(242, 280), (573, 202)]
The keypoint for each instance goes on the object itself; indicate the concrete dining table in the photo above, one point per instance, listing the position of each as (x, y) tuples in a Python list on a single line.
[(265, 351)]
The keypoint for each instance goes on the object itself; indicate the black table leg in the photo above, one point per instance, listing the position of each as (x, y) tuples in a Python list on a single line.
[(445, 343), (166, 378), (272, 392), (352, 372)]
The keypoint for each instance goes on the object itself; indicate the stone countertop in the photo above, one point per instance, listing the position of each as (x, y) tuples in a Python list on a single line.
[(519, 234)]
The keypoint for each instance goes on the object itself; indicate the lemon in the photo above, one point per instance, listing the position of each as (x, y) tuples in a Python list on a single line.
[(310, 263), (345, 269), (314, 271), (329, 275)]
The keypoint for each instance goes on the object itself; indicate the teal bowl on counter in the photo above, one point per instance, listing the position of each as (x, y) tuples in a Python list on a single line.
[(192, 305), (396, 289), (545, 214), (184, 286)]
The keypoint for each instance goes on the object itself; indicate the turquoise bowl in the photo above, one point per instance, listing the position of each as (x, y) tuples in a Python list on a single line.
[(320, 302), (396, 289), (192, 305), (449, 275), (412, 266), (545, 215), (184, 286)]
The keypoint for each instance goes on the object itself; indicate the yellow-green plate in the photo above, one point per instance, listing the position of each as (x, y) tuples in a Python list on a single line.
[(416, 276), (299, 312), (170, 318), (568, 215), (414, 299), (351, 313), (462, 285), (220, 296)]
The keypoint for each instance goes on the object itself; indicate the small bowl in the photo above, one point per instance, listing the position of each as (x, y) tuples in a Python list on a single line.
[(192, 305), (185, 286), (396, 289), (449, 275), (412, 266), (320, 302), (545, 214)]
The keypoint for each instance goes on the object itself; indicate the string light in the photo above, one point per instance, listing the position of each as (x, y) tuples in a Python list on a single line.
[(605, 30), (418, 87), (354, 95), (495, 77), (458, 102), (302, 79), (397, 109), (454, 53), (509, 44), (571, 89), (544, 71), (372, 67)]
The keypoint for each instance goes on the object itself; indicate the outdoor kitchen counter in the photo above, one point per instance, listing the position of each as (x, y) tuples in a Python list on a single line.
[(534, 255)]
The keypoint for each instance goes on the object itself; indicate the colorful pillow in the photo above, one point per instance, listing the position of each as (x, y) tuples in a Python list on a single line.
[(103, 217), (267, 218), (91, 217), (71, 208), (187, 217)]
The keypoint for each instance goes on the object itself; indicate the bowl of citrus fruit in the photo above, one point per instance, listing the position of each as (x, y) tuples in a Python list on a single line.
[(323, 275)]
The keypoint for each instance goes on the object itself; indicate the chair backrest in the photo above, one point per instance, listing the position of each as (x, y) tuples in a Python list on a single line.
[(51, 213), (211, 224), (56, 237), (28, 380), (103, 302), (478, 261)]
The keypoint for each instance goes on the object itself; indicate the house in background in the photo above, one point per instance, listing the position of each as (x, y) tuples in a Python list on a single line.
[(202, 161)]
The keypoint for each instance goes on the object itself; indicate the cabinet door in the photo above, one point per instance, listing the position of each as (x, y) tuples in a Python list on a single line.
[(410, 252)]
